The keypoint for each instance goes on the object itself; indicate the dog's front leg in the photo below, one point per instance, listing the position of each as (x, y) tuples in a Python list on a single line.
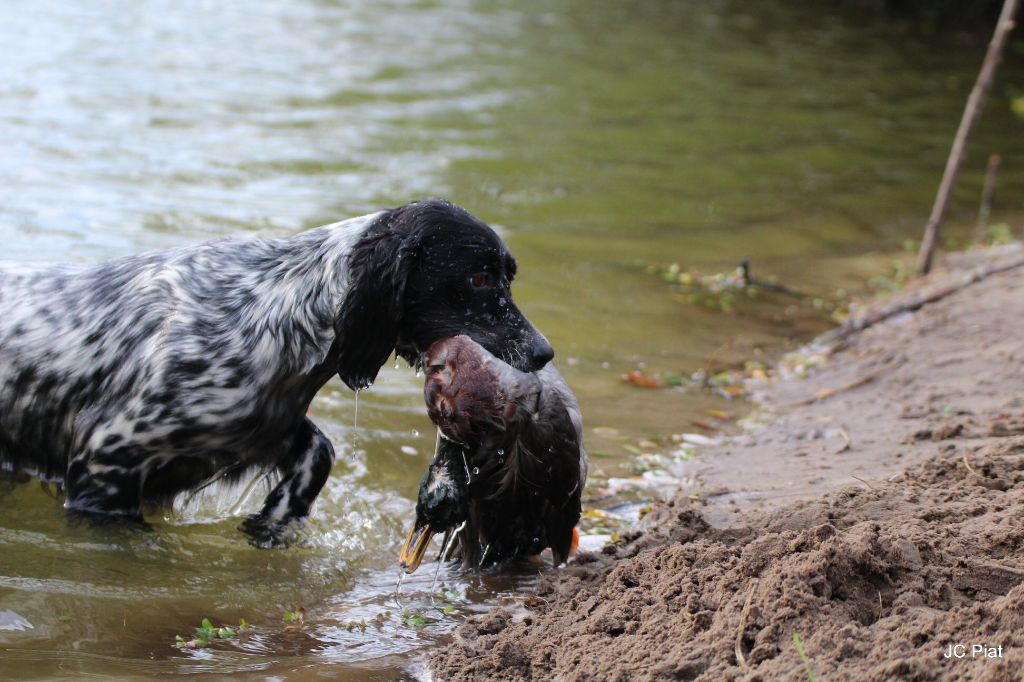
[(304, 470)]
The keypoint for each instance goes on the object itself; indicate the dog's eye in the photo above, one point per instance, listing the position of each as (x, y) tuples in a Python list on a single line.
[(481, 280)]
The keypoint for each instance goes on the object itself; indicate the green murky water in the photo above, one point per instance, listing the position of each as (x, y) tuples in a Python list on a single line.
[(598, 136)]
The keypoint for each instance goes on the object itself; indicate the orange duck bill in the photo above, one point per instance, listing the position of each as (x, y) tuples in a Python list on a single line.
[(415, 548)]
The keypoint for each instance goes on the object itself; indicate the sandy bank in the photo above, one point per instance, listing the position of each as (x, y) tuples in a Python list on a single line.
[(878, 514)]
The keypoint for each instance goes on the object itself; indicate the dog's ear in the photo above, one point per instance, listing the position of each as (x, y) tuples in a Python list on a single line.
[(368, 323)]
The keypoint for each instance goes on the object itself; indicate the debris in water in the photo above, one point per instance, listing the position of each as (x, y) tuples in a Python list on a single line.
[(208, 632)]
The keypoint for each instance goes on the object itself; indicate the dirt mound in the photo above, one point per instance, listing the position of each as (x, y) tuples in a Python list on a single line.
[(880, 575), (878, 582)]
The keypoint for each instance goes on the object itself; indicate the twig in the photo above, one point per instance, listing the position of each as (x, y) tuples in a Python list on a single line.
[(882, 313), (826, 393), (988, 190), (972, 111), (846, 440), (862, 481), (998, 568), (740, 658), (749, 280), (968, 464)]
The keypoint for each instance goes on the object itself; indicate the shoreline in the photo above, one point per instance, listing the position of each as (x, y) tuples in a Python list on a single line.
[(874, 513)]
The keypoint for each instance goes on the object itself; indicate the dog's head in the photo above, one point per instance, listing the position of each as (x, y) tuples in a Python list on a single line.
[(426, 271)]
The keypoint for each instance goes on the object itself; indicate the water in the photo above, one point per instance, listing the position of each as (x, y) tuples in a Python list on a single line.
[(597, 136)]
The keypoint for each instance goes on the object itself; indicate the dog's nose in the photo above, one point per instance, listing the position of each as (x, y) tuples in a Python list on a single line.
[(542, 353)]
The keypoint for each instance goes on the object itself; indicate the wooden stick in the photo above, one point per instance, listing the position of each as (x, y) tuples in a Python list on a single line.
[(826, 393), (883, 313), (970, 116), (988, 190)]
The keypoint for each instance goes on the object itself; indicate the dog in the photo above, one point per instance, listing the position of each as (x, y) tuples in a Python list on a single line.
[(133, 380)]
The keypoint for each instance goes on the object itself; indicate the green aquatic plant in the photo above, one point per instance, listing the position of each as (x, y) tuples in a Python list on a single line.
[(999, 235), (413, 619), (351, 625), (717, 291), (207, 632), (295, 617)]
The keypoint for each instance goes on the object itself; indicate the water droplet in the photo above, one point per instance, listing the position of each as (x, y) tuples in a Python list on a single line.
[(500, 453), (355, 426), (536, 540), (415, 433), (476, 471)]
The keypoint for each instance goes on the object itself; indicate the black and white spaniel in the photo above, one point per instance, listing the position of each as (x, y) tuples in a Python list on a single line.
[(133, 380)]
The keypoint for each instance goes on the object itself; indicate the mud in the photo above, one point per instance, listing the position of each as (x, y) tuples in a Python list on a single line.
[(879, 576)]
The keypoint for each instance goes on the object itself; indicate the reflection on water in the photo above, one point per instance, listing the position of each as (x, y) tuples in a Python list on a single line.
[(595, 135)]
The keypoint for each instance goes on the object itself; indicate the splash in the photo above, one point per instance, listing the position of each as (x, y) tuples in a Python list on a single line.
[(437, 572), (483, 555), (398, 588)]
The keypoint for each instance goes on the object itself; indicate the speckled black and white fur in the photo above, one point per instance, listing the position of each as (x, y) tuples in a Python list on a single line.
[(133, 380)]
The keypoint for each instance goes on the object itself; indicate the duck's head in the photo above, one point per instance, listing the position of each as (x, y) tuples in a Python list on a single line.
[(442, 503)]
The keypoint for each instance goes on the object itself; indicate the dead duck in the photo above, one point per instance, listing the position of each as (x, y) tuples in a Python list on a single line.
[(510, 466)]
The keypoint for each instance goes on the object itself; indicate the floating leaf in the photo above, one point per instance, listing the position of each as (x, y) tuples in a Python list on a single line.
[(638, 378)]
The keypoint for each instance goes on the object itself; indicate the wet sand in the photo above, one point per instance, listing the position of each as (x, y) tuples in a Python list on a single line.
[(876, 512)]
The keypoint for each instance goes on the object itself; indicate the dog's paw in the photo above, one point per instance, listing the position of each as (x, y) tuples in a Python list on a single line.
[(264, 534)]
